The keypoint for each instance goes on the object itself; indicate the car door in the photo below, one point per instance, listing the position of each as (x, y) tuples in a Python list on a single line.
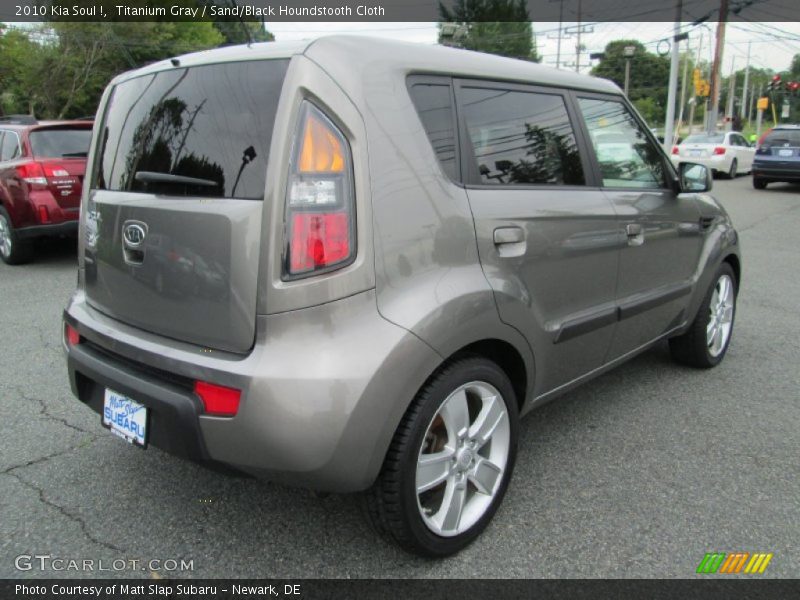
[(660, 227), (747, 153), (546, 235)]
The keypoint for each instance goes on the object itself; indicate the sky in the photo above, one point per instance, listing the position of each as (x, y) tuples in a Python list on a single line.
[(772, 45)]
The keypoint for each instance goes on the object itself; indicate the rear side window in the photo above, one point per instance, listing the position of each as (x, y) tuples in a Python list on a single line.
[(435, 107), (199, 131), (521, 137), (60, 143)]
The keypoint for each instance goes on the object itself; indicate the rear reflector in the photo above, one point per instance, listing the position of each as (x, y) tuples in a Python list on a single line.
[(218, 400), (44, 216), (72, 335)]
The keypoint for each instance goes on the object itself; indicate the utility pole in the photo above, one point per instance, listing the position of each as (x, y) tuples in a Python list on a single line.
[(628, 51), (694, 96), (683, 97), (674, 66), (578, 45), (729, 107), (715, 70), (746, 79), (560, 21)]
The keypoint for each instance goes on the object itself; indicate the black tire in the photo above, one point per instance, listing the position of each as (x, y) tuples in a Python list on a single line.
[(734, 169), (691, 348), (391, 504), (759, 183), (20, 251)]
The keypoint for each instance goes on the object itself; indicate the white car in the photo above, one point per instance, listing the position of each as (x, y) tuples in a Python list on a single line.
[(727, 153)]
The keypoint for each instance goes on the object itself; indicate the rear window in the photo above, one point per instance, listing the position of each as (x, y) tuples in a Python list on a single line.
[(783, 137), (704, 139), (60, 143), (200, 131)]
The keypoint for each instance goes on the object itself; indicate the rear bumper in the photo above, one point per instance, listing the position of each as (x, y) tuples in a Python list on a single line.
[(777, 173), (322, 391), (717, 162), (55, 230)]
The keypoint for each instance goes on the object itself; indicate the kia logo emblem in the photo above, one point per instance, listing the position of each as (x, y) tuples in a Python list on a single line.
[(133, 233)]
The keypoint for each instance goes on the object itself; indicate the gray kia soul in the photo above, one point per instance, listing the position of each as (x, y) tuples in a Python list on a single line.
[(353, 264)]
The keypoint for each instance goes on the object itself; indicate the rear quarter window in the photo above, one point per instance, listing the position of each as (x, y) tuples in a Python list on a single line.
[(434, 105), (212, 123)]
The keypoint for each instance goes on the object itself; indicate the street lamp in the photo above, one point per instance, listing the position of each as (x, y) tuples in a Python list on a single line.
[(628, 52)]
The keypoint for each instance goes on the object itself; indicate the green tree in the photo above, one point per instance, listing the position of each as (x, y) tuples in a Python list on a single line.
[(649, 76), (494, 26)]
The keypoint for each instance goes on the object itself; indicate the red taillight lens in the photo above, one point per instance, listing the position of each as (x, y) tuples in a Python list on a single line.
[(318, 240), (32, 173), (72, 335), (675, 150), (218, 400), (719, 150), (44, 216), (320, 213)]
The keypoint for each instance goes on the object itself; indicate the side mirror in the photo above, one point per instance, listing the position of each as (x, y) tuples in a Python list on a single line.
[(694, 177)]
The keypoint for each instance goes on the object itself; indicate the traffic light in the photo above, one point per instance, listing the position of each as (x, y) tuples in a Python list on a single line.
[(776, 84), (793, 87)]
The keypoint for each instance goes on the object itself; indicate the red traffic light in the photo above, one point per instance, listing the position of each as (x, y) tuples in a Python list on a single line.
[(776, 78)]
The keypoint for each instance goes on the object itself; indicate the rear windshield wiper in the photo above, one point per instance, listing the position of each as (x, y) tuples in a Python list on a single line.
[(75, 154), (153, 177)]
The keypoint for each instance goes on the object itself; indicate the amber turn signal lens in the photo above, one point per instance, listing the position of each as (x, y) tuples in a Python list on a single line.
[(321, 151)]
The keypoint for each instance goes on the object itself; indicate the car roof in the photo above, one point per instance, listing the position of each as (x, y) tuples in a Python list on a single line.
[(19, 127), (347, 56)]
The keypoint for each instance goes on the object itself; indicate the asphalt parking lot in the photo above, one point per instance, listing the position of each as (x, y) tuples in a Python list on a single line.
[(637, 474)]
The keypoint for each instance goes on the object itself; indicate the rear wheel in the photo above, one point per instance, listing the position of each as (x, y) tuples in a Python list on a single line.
[(759, 184), (450, 461), (733, 170), (709, 336), (13, 251)]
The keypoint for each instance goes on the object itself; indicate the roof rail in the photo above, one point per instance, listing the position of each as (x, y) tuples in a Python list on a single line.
[(19, 119)]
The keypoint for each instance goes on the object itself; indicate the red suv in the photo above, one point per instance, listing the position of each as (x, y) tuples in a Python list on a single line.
[(42, 164)]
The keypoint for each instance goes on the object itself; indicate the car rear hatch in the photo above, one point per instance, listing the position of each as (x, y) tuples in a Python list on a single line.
[(173, 218), (780, 146), (61, 151)]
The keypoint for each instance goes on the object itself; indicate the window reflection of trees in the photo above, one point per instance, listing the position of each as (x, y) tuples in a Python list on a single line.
[(159, 146), (526, 149)]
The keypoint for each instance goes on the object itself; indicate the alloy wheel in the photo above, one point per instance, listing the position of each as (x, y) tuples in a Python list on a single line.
[(5, 237), (720, 321), (463, 457)]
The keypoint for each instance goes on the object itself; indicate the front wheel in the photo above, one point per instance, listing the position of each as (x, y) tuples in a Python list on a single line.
[(705, 343), (450, 461)]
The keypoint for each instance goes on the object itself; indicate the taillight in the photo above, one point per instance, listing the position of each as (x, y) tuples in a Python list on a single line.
[(675, 150), (320, 212), (71, 334), (218, 400), (32, 173), (719, 150)]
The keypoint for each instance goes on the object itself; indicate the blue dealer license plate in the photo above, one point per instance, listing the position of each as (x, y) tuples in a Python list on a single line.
[(125, 418)]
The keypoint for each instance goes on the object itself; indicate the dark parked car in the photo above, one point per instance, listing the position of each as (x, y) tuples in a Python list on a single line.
[(777, 156), (42, 164)]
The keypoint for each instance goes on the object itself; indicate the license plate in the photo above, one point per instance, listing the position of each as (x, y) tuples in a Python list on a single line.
[(695, 152), (125, 418), (785, 152)]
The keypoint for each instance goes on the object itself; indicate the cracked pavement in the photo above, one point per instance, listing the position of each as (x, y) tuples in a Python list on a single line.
[(636, 474)]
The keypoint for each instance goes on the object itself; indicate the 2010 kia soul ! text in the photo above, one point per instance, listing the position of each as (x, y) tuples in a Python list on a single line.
[(353, 264)]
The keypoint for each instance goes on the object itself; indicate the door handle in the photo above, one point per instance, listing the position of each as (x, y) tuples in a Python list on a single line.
[(508, 235), (509, 241), (635, 234)]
